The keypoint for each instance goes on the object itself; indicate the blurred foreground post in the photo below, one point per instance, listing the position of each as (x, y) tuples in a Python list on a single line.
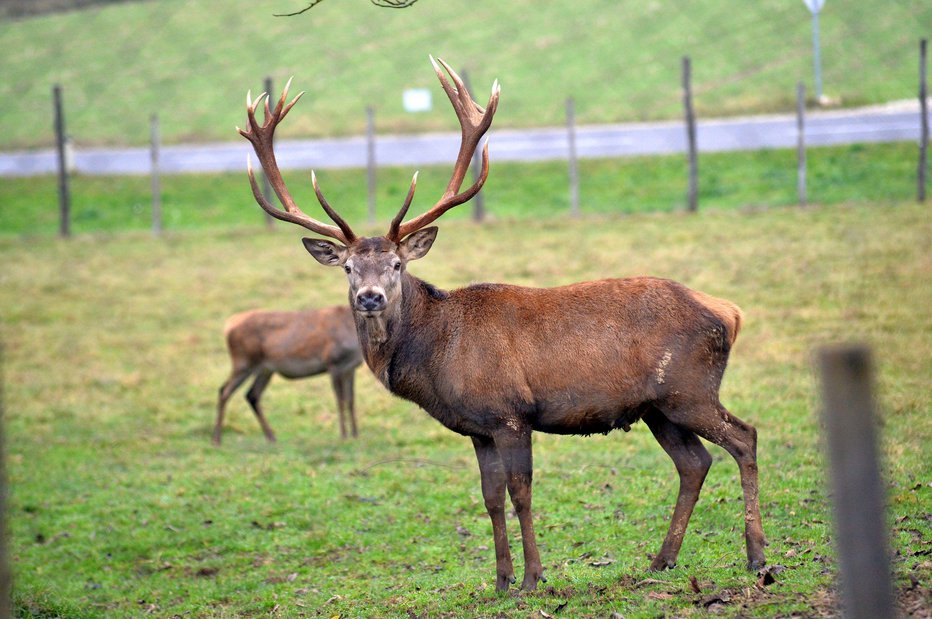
[(155, 139), (370, 161), (857, 489), (801, 143), (478, 202), (573, 169), (266, 185), (6, 575), (924, 122), (692, 194), (64, 193)]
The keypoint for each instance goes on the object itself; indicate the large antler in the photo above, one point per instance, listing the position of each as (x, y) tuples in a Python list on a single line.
[(474, 122), (261, 137)]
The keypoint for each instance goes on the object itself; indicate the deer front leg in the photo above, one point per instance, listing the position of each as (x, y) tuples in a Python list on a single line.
[(514, 448), (349, 379), (492, 474), (336, 380)]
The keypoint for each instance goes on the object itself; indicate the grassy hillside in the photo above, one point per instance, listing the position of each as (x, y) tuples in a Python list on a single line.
[(121, 508), (192, 62)]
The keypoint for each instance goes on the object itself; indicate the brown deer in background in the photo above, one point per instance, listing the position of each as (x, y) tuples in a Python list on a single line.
[(294, 345), (495, 362)]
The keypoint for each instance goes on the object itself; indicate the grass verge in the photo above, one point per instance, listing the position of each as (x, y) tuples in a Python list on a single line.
[(856, 173)]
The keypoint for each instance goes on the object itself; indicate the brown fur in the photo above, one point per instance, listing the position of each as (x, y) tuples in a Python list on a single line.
[(730, 313), (293, 345)]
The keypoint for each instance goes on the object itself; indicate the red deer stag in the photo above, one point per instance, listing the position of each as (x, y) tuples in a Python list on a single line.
[(294, 345), (495, 362)]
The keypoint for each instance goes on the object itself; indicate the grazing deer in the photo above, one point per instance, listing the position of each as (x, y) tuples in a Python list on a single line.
[(495, 362), (294, 345)]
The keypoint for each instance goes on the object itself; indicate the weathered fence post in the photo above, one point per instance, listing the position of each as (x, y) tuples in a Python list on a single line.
[(64, 193), (801, 143), (478, 201), (266, 185), (924, 122), (857, 489), (154, 140), (370, 161), (692, 194), (571, 159)]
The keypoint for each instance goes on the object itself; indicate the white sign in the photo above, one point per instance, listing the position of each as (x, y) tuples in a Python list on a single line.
[(416, 100), (814, 5)]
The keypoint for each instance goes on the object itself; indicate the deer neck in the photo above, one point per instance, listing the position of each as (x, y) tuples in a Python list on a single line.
[(382, 336)]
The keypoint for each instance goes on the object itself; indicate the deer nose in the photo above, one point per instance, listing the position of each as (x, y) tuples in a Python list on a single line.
[(370, 301)]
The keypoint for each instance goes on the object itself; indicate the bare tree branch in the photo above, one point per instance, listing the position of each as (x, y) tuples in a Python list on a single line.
[(385, 4), (392, 4), (308, 7)]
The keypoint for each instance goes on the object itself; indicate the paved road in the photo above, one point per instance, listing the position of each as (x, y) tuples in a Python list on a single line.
[(891, 123)]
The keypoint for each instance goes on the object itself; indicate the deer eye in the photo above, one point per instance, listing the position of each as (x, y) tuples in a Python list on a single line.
[(347, 268), (397, 266)]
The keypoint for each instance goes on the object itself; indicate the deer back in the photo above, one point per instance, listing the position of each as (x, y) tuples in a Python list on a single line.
[(294, 344), (582, 358)]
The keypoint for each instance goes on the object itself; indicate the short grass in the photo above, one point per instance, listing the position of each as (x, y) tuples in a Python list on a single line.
[(192, 62), (120, 507), (727, 181)]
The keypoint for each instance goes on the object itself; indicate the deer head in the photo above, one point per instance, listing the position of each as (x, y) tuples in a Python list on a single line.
[(374, 266)]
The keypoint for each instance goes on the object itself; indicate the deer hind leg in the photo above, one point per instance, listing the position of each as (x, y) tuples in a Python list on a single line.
[(692, 462), (226, 390), (514, 448), (254, 395), (336, 381), (492, 474), (714, 423)]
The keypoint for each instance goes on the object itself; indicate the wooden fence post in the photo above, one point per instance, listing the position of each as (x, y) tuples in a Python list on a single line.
[(924, 122), (370, 161), (801, 143), (571, 159), (692, 195), (155, 139), (857, 489), (478, 201), (266, 185), (64, 192)]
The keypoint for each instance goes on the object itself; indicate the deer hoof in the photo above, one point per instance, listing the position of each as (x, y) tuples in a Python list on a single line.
[(503, 581), (756, 564), (659, 564), (530, 582)]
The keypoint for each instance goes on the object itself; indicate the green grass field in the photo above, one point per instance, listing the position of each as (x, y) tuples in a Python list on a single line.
[(120, 507), (192, 62), (728, 181)]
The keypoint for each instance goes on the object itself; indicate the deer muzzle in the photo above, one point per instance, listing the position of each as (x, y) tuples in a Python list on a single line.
[(370, 300)]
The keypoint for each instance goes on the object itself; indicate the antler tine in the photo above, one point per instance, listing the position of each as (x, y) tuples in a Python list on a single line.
[(394, 229), (447, 202), (261, 137), (299, 219), (347, 231), (474, 122)]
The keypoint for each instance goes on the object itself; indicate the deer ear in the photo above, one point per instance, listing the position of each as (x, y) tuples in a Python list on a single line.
[(417, 244), (327, 253)]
